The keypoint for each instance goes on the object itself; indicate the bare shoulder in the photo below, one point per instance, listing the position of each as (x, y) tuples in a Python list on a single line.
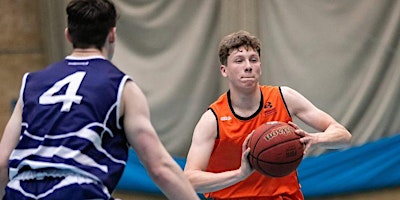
[(289, 92), (206, 128), (132, 89), (290, 95), (132, 98), (295, 101), (208, 119)]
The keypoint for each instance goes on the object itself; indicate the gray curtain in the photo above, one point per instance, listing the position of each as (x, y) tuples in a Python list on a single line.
[(342, 55), (168, 49)]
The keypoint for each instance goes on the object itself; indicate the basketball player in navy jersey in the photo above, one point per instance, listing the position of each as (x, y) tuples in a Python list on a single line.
[(71, 128)]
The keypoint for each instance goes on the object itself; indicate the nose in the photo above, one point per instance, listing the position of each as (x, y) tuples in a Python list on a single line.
[(249, 67)]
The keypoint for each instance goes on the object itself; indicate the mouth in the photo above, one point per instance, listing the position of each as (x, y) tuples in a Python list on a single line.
[(247, 77)]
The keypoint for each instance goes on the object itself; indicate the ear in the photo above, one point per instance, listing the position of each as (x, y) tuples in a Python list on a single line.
[(222, 68), (112, 35), (67, 35)]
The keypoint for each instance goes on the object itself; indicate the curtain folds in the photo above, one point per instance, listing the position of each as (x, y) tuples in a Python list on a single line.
[(342, 55)]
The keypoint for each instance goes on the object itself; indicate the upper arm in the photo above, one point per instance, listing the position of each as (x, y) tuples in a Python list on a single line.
[(302, 108), (203, 140), (139, 130), (11, 134)]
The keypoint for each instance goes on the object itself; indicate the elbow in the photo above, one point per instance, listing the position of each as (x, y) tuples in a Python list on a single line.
[(348, 138), (341, 138), (159, 174), (189, 176), (345, 136), (196, 181), (164, 173)]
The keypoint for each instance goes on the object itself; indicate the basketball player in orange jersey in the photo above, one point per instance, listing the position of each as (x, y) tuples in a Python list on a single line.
[(217, 162)]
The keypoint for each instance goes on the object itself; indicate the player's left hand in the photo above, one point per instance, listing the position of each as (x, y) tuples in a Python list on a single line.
[(307, 139)]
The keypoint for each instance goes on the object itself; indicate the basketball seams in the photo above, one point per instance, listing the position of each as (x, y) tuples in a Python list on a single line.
[(259, 138), (280, 163), (270, 174), (252, 150), (267, 130), (277, 144)]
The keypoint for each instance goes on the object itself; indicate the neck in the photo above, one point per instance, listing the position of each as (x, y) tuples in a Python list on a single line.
[(246, 101), (78, 52)]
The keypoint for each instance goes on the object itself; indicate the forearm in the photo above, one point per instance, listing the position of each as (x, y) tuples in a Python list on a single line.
[(208, 182), (172, 182), (335, 136)]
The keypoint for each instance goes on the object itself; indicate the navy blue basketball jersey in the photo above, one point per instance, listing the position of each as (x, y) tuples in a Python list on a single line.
[(70, 121)]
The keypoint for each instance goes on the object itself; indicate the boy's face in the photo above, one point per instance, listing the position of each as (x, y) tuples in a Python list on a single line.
[(243, 67)]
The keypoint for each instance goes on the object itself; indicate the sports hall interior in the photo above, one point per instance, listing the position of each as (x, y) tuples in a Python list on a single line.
[(342, 55)]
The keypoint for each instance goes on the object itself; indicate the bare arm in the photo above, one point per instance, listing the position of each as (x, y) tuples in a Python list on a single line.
[(8, 143), (199, 154), (331, 135), (165, 172)]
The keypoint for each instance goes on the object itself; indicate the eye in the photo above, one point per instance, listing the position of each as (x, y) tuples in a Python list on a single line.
[(254, 59), (238, 60)]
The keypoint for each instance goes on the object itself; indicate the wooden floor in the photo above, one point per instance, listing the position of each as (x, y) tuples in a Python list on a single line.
[(384, 194)]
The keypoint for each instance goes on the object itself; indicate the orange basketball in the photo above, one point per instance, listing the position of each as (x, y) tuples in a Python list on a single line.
[(275, 149)]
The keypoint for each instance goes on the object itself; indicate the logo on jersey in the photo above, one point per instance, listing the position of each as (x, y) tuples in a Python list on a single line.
[(76, 63), (269, 109), (226, 118)]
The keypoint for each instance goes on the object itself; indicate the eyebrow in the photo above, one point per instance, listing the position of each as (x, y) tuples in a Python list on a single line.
[(234, 54)]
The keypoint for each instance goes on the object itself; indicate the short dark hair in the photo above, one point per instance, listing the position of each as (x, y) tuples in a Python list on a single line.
[(89, 22), (234, 41)]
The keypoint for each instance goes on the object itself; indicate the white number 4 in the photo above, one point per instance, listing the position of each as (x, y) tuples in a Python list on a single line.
[(74, 81)]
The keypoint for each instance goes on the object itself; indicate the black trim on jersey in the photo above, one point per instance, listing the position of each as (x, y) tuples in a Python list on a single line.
[(251, 116), (216, 117), (283, 99)]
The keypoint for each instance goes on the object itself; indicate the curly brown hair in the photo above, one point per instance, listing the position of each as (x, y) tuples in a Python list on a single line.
[(236, 40)]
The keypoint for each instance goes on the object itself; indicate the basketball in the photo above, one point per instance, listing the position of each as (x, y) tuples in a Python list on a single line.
[(275, 149)]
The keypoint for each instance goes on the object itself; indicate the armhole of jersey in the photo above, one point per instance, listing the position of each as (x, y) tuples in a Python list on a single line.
[(216, 118), (283, 99), (21, 91), (120, 90)]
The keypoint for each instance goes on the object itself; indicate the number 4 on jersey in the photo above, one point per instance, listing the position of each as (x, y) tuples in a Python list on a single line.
[(73, 81)]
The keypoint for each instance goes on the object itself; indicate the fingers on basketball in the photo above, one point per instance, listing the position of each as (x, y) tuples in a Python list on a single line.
[(275, 149)]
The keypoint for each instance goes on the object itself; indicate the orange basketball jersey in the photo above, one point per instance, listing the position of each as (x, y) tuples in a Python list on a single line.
[(232, 131)]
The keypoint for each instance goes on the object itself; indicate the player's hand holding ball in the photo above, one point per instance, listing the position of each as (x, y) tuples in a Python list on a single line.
[(276, 149)]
